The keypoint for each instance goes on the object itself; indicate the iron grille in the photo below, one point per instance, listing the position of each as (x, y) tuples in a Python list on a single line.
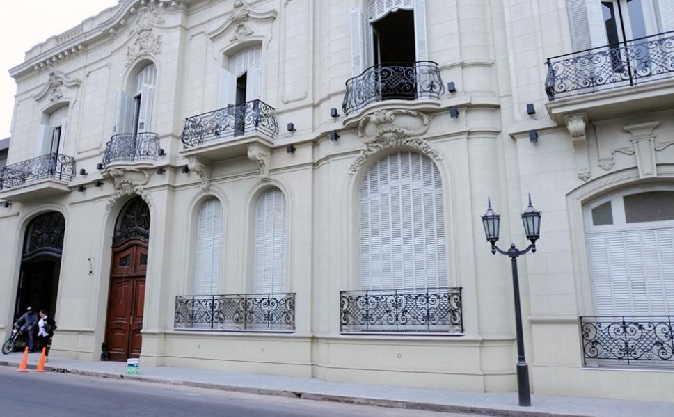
[(406, 81), (236, 312), (253, 116), (50, 166), (625, 64), (431, 310), (131, 147), (619, 341)]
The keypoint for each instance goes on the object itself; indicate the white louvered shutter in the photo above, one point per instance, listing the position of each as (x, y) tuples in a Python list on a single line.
[(209, 248), (146, 108), (64, 131), (666, 12), (227, 88), (633, 271), (361, 40), (125, 108), (43, 140), (402, 237), (253, 84), (420, 31), (270, 244), (587, 24)]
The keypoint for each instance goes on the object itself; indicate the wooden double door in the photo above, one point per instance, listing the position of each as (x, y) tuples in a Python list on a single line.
[(126, 300)]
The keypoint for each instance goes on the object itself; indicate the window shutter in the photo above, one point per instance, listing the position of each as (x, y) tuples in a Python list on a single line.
[(227, 88), (124, 119), (146, 108), (360, 42), (43, 140), (252, 84), (587, 24), (209, 248), (632, 271), (420, 33), (270, 244), (401, 223), (64, 131), (666, 8)]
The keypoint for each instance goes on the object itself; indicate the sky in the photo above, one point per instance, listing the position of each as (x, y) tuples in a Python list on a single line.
[(24, 24)]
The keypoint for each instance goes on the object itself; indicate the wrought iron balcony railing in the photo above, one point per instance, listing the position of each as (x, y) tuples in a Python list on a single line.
[(407, 81), (236, 312), (625, 64), (617, 341), (253, 116), (50, 166), (431, 310), (130, 147)]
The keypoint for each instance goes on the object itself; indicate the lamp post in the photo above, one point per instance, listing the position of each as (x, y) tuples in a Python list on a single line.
[(531, 219)]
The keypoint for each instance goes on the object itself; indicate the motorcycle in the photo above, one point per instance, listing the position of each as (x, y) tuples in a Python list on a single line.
[(18, 340)]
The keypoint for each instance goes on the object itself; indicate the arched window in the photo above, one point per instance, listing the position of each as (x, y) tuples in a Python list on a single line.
[(630, 239), (402, 229), (270, 243), (136, 104), (209, 248)]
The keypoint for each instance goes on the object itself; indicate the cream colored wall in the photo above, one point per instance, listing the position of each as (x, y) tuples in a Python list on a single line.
[(492, 49)]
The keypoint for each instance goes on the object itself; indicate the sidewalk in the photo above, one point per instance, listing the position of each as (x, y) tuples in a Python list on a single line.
[(496, 404)]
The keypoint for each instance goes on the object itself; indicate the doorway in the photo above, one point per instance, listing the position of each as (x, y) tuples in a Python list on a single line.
[(126, 298), (394, 55), (40, 264)]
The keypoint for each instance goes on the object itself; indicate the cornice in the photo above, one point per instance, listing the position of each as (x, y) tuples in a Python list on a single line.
[(75, 41)]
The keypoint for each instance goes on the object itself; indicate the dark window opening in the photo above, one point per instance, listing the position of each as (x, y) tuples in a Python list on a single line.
[(136, 116), (240, 115), (394, 55)]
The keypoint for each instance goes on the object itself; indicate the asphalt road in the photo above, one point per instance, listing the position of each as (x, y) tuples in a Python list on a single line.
[(63, 395)]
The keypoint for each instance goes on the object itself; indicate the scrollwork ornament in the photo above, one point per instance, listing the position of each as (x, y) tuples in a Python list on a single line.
[(584, 175), (392, 124), (606, 163), (262, 155), (124, 188), (418, 144), (201, 168)]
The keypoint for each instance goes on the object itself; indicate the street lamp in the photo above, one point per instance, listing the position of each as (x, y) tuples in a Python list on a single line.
[(531, 219)]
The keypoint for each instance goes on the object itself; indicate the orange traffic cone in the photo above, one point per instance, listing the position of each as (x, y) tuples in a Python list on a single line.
[(24, 361), (40, 365)]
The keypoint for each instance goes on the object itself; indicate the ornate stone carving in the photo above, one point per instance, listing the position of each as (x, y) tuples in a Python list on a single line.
[(126, 182), (576, 124), (418, 144), (146, 42), (262, 155), (201, 168), (643, 146), (239, 18), (123, 188), (54, 86), (392, 124)]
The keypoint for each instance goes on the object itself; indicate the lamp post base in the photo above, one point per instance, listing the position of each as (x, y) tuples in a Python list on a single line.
[(523, 392)]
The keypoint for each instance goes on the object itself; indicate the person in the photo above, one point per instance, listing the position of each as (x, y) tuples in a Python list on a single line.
[(45, 331), (27, 321)]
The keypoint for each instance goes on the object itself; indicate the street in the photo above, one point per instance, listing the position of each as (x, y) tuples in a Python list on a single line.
[(64, 395)]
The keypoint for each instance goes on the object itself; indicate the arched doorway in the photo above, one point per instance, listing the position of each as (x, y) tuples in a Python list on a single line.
[(41, 263), (127, 281)]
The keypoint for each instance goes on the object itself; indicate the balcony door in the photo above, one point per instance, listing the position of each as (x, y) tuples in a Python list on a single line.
[(626, 20)]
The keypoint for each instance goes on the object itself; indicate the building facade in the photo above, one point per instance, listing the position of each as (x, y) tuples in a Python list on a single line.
[(295, 187)]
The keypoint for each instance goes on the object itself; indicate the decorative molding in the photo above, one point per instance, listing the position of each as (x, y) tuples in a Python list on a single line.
[(126, 182), (239, 19), (146, 43), (203, 169), (417, 143), (643, 144), (262, 155), (392, 124), (54, 85), (576, 124)]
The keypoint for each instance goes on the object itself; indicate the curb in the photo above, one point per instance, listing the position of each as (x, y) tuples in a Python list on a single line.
[(344, 399)]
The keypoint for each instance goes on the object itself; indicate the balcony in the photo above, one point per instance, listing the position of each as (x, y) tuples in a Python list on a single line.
[(44, 176), (636, 75), (236, 312), (627, 342), (130, 148), (435, 310), (226, 132), (402, 81)]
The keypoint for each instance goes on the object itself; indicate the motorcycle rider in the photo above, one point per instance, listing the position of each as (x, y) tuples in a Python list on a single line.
[(27, 321)]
